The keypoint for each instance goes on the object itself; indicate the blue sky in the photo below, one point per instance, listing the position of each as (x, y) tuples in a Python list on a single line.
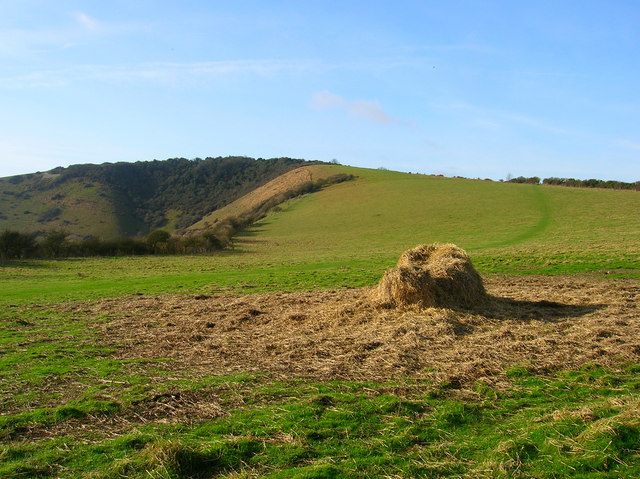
[(477, 89)]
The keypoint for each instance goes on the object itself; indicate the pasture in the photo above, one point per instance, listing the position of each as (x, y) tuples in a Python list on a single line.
[(268, 361)]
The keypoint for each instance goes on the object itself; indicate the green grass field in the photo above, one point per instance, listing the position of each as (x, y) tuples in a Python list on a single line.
[(71, 408), (506, 227)]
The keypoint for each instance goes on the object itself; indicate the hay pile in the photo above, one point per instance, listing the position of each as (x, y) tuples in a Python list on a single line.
[(430, 276)]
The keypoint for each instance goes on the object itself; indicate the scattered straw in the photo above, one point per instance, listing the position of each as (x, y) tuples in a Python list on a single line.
[(547, 323)]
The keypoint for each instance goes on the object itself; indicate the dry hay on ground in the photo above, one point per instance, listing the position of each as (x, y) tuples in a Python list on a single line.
[(547, 323), (431, 275), (544, 323)]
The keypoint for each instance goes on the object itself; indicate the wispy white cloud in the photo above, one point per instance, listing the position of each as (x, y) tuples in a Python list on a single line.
[(370, 110), (81, 27), (325, 99), (41, 79), (168, 72), (495, 119), (87, 22), (534, 123), (157, 72), (364, 109), (20, 42)]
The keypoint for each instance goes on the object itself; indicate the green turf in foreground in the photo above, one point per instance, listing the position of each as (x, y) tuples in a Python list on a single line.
[(572, 424), (75, 279)]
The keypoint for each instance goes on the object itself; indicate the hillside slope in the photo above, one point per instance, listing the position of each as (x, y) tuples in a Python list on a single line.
[(279, 185), (42, 202), (125, 199), (383, 213)]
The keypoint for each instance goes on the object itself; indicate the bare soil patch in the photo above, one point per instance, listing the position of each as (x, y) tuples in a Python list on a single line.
[(545, 323)]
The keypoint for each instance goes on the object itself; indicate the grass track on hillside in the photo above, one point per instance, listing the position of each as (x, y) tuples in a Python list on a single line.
[(544, 210)]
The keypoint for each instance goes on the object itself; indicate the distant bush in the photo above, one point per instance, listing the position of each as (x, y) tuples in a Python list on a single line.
[(55, 244), (89, 247), (16, 245), (113, 247), (130, 247), (592, 183), (157, 241), (534, 180)]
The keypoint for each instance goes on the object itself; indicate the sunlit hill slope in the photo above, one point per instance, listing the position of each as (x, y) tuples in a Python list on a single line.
[(382, 213)]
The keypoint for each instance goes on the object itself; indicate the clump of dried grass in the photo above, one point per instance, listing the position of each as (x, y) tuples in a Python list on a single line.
[(429, 276)]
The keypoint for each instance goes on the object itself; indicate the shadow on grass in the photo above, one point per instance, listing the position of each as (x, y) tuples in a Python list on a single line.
[(247, 240), (26, 264), (252, 230), (183, 461), (545, 311)]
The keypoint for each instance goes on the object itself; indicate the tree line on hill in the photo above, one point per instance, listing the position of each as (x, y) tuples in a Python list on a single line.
[(591, 183), (57, 243), (143, 191), (148, 189)]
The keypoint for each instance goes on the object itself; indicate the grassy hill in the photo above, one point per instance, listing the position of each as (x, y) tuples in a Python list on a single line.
[(279, 185), (348, 234), (128, 199), (505, 226), (41, 202)]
